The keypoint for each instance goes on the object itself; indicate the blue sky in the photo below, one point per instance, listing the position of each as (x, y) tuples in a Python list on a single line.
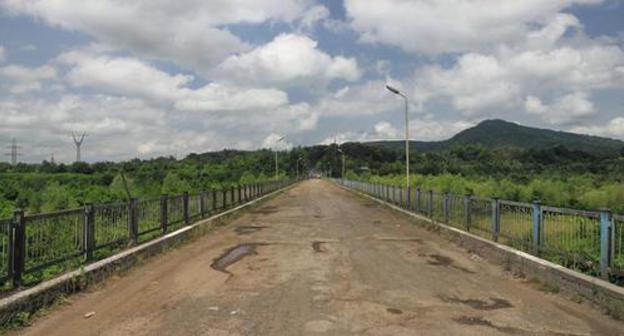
[(148, 78)]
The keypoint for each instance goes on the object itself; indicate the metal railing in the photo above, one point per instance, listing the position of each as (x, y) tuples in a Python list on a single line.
[(34, 247), (588, 241)]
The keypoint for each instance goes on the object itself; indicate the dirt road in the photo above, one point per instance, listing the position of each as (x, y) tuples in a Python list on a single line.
[(318, 260)]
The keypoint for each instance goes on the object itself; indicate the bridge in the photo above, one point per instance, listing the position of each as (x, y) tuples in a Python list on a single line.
[(320, 260)]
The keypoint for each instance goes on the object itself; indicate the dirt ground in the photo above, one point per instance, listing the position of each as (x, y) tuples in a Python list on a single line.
[(318, 260)]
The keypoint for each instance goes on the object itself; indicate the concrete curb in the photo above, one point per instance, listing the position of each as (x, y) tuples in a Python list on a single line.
[(32, 299), (603, 294)]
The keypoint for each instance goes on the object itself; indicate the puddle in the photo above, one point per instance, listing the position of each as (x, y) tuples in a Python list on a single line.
[(395, 311), (491, 304), (480, 321), (248, 229), (265, 210), (316, 245), (234, 255), (444, 261)]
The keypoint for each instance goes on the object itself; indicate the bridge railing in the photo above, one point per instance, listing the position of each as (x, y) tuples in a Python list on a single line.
[(34, 247), (588, 241)]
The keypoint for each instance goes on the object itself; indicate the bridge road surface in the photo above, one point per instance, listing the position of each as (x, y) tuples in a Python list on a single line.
[(326, 262)]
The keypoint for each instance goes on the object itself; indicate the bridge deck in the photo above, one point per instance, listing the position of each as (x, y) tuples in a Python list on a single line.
[(320, 260)]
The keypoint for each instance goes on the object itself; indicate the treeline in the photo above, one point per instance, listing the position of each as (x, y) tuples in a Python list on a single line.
[(555, 175)]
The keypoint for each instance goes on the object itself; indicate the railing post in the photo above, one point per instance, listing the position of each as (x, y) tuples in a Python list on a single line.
[(536, 211), (19, 247), (606, 225), (238, 194), (387, 193), (89, 231), (232, 196), (430, 205), (213, 209), (495, 219), (408, 199), (224, 197), (133, 225), (202, 208), (445, 207), (400, 203), (185, 206), (417, 199), (467, 208), (163, 213)]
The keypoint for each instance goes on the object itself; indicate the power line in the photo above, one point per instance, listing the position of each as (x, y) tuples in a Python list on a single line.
[(14, 151)]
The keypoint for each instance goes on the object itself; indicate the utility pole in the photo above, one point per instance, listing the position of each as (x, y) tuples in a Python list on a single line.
[(78, 141), (14, 151)]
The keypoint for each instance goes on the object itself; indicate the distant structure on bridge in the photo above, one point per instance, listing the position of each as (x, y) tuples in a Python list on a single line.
[(78, 140), (14, 151)]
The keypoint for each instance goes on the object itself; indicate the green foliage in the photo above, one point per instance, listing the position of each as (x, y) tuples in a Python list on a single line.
[(174, 185)]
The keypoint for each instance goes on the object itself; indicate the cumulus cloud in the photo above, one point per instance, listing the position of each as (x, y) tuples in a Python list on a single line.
[(614, 129), (289, 59), (478, 84), (21, 79), (128, 76), (565, 109), (2, 54), (368, 98), (434, 27), (191, 33)]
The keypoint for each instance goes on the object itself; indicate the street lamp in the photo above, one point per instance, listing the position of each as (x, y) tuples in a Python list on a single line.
[(407, 173), (343, 163), (276, 166)]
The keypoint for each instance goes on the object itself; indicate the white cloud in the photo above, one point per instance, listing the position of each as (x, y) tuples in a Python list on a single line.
[(385, 130), (434, 27), (479, 84), (131, 77), (566, 109), (429, 129), (614, 129), (22, 79), (2, 54), (360, 100), (288, 60), (190, 32)]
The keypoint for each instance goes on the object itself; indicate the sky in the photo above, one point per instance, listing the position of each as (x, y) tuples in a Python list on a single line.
[(147, 78)]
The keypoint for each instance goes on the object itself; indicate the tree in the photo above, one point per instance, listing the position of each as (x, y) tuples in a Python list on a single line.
[(174, 185)]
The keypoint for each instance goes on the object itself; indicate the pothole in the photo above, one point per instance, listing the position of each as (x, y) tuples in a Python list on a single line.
[(480, 321), (491, 304), (248, 229), (234, 255), (265, 210), (444, 261), (395, 311), (316, 245)]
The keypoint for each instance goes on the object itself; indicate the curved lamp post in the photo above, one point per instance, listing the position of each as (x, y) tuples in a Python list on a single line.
[(407, 170)]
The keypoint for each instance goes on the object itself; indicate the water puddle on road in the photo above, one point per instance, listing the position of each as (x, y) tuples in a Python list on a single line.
[(491, 304), (444, 261), (248, 229), (234, 255)]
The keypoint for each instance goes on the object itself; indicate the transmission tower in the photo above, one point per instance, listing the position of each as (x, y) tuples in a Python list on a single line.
[(78, 141), (14, 151)]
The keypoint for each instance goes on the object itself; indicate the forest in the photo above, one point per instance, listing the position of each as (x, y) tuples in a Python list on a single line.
[(557, 176)]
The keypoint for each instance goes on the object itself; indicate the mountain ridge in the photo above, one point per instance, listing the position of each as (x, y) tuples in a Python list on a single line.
[(498, 133)]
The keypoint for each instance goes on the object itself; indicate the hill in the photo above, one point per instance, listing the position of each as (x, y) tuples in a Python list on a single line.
[(500, 133)]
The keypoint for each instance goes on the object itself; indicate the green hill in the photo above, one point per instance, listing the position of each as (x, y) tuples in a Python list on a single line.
[(499, 133)]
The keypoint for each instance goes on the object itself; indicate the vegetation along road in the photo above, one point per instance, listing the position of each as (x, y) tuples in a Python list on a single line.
[(318, 260)]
